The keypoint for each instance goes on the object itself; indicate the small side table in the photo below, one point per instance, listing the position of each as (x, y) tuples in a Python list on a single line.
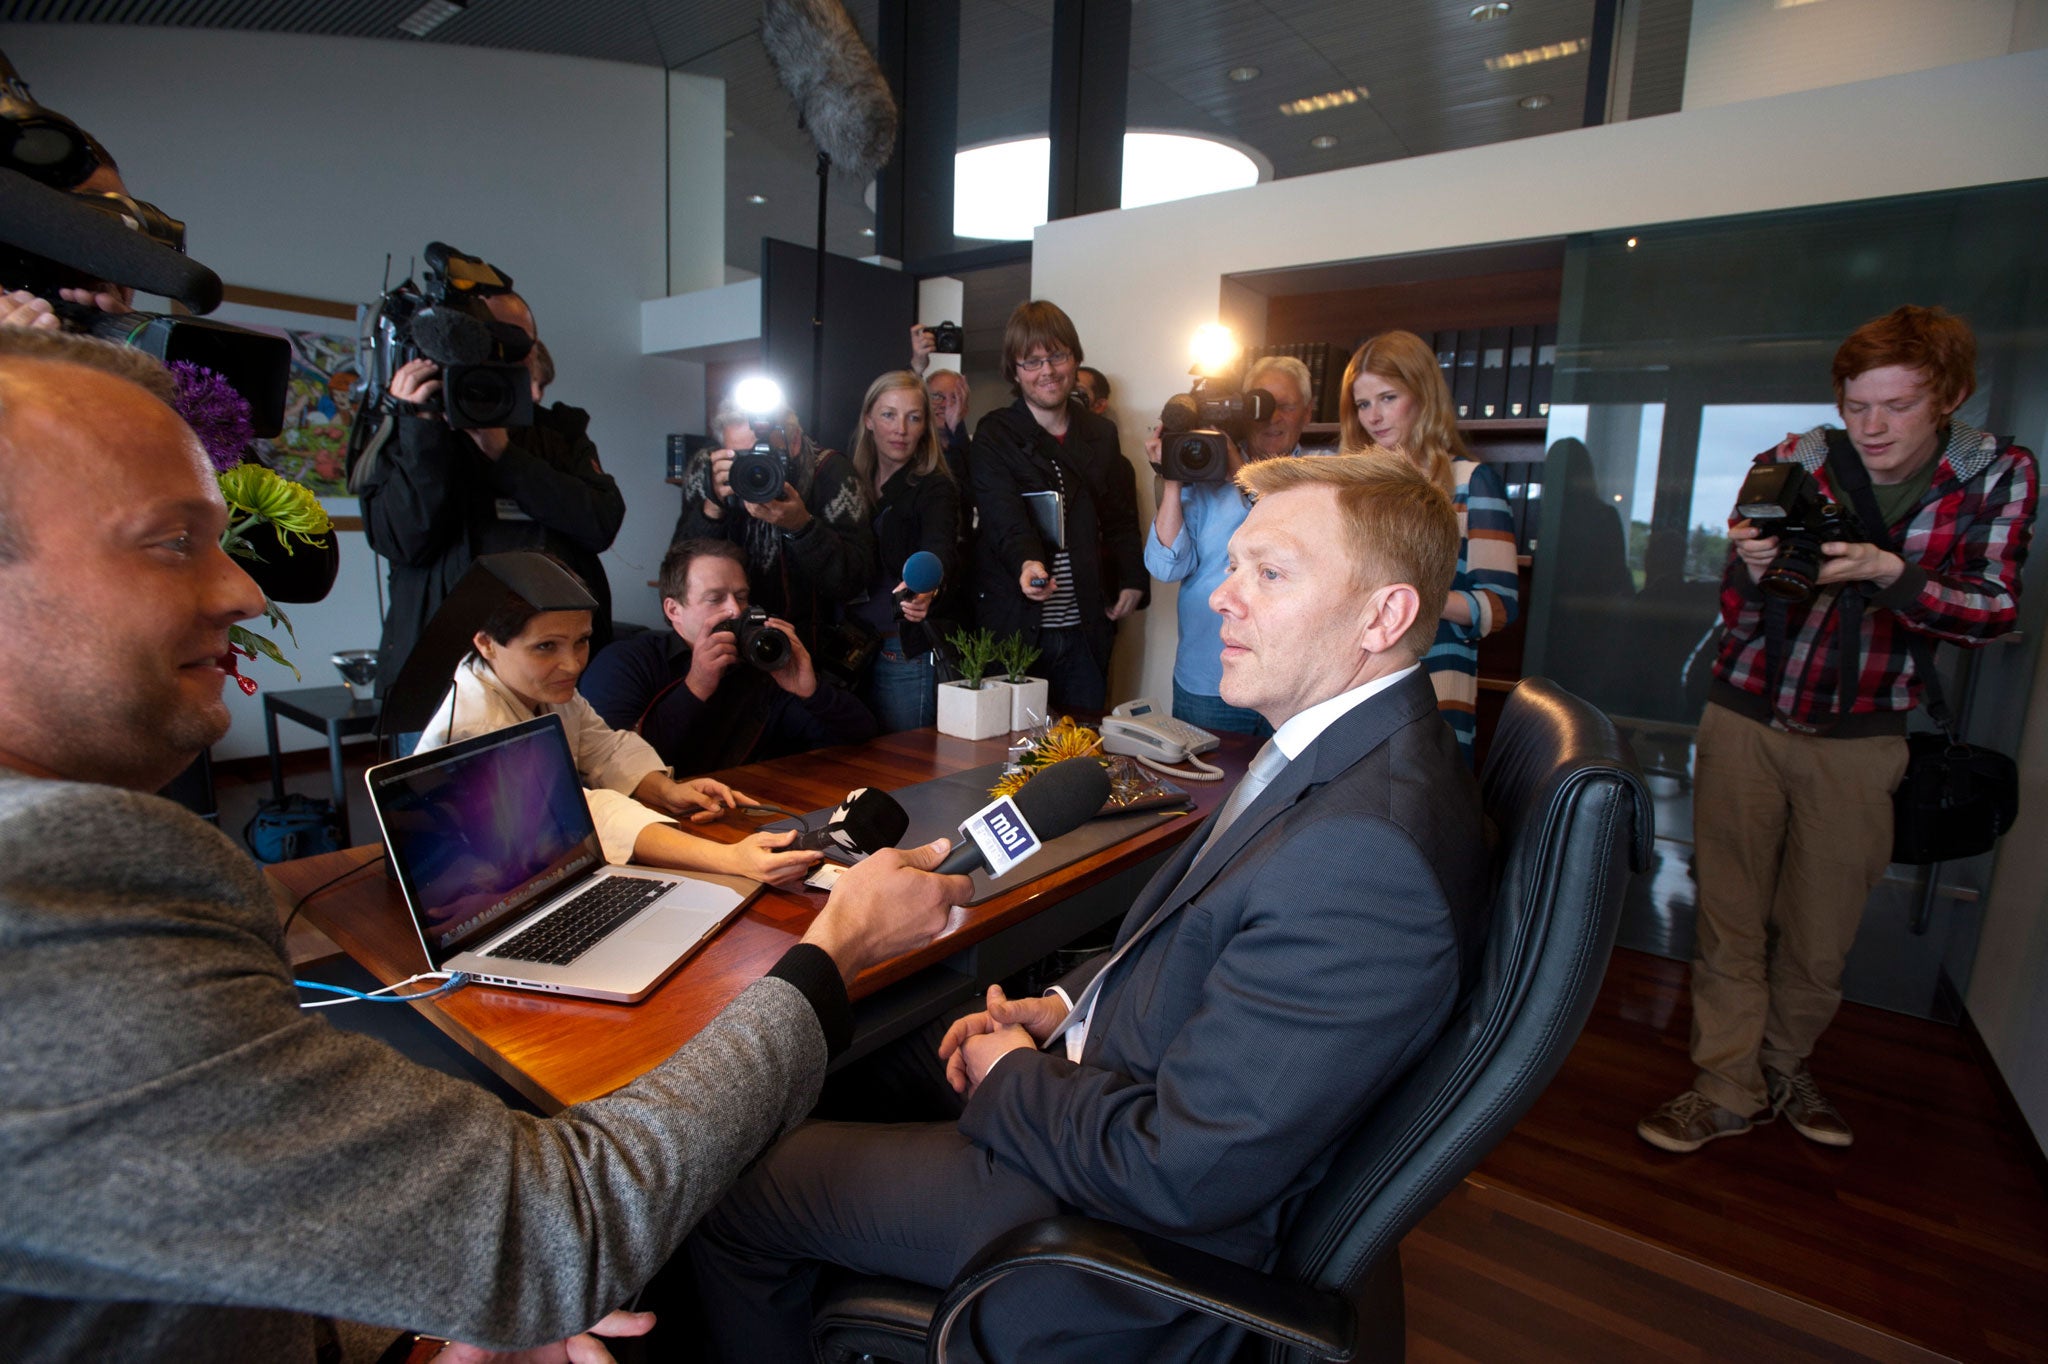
[(332, 709)]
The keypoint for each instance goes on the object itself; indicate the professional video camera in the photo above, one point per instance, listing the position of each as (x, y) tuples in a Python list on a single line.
[(760, 643), (484, 379), (1784, 501), (1196, 428), (54, 236)]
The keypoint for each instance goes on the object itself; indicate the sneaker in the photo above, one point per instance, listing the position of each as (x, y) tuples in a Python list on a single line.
[(1689, 1122), (1806, 1108)]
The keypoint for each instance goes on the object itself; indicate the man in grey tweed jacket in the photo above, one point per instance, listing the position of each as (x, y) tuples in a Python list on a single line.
[(195, 1169)]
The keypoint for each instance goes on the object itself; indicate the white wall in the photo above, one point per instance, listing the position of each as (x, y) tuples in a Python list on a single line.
[(298, 162), (1980, 123)]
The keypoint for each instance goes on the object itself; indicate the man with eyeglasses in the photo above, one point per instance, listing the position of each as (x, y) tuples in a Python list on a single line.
[(1189, 545), (1057, 556)]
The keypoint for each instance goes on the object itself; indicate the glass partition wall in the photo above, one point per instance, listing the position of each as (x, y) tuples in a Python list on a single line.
[(1684, 349)]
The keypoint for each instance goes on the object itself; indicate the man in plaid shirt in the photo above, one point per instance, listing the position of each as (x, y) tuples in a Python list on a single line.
[(1793, 781)]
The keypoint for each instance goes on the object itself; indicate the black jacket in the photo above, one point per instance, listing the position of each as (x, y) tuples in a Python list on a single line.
[(434, 502), (920, 514), (638, 684), (1013, 455)]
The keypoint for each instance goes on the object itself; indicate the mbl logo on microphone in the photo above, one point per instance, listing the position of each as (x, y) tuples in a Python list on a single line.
[(1002, 835)]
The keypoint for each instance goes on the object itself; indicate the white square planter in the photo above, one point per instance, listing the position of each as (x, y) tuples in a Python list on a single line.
[(981, 713), (1028, 701)]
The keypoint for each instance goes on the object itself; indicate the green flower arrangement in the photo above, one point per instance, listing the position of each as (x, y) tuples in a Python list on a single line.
[(257, 496)]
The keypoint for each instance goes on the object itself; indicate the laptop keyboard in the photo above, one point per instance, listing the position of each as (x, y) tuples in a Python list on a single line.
[(570, 931)]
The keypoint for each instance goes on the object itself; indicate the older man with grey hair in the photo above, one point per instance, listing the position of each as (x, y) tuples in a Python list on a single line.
[(810, 548)]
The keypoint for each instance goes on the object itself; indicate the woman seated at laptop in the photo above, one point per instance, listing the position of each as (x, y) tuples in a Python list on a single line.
[(525, 663)]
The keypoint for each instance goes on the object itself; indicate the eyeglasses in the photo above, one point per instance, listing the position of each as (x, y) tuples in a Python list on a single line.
[(1056, 359)]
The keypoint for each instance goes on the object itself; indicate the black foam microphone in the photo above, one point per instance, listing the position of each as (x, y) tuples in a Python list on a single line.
[(839, 91), (52, 224), (1009, 829), (866, 821), (1180, 415), (922, 572)]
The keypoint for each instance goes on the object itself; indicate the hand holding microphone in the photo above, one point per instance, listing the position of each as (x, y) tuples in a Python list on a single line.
[(922, 574)]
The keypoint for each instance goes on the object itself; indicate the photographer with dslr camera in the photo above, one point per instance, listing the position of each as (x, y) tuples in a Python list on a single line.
[(727, 683), (1199, 510), (1849, 550), (796, 511), (454, 484)]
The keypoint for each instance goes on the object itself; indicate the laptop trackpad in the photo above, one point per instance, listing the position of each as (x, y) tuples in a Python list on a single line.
[(664, 926)]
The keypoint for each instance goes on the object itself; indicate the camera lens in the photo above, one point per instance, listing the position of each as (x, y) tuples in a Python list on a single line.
[(484, 395)]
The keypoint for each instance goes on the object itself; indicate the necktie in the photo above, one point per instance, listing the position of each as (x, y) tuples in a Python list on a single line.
[(1266, 765)]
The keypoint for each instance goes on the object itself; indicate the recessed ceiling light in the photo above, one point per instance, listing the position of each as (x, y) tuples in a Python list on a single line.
[(1497, 10), (1534, 101), (1333, 99), (867, 232), (1241, 74), (1631, 243), (1528, 56), (757, 198), (430, 16), (1323, 143)]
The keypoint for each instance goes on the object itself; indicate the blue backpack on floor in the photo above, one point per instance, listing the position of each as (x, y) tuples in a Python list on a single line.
[(297, 826)]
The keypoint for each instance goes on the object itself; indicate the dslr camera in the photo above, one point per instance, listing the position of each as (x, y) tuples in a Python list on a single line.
[(1197, 427), (484, 379), (758, 475), (760, 643), (1786, 502), (946, 338)]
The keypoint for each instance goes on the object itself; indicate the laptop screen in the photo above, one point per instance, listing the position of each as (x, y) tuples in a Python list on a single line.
[(483, 830)]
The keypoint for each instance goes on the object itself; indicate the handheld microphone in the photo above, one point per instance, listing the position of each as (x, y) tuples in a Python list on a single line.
[(51, 224), (922, 572), (1003, 833), (866, 821)]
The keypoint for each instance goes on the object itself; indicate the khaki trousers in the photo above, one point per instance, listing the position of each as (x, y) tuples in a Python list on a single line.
[(1791, 832)]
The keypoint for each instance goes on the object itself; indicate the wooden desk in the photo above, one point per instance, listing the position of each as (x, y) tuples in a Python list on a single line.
[(562, 1051)]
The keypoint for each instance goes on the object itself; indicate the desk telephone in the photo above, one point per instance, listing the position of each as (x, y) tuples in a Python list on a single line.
[(1142, 730)]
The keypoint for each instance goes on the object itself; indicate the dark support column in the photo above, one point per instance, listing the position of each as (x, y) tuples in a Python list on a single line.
[(918, 49), (1600, 61), (1091, 62)]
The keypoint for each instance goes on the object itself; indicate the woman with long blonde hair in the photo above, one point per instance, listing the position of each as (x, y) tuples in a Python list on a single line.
[(1396, 398), (916, 506)]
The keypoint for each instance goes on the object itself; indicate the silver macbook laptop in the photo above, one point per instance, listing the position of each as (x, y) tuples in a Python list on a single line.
[(493, 846)]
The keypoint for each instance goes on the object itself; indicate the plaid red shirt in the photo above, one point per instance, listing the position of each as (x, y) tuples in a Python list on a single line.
[(1964, 545)]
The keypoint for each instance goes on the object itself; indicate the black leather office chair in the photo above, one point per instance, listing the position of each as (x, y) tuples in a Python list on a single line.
[(1573, 820)]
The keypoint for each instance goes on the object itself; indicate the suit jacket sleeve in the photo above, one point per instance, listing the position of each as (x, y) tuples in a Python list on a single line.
[(1326, 991), (184, 1133)]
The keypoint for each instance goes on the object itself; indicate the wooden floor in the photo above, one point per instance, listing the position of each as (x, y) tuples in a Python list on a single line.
[(1576, 1241)]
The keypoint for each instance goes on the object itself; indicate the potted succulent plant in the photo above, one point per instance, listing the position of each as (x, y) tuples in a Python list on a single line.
[(970, 708), (1028, 695)]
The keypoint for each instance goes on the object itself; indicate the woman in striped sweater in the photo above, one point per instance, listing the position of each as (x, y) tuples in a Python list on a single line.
[(1397, 400)]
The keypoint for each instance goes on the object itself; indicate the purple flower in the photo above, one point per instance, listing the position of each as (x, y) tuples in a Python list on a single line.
[(217, 414)]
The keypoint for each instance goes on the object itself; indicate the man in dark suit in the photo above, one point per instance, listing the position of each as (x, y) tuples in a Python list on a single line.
[(1302, 949)]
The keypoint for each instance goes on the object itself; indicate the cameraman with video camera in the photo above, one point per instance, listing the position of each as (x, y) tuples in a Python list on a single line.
[(1908, 529), (450, 487), (1191, 531)]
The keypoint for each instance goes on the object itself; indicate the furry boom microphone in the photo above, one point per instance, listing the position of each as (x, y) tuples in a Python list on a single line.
[(839, 91)]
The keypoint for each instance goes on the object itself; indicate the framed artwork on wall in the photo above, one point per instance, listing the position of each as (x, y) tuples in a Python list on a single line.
[(321, 399)]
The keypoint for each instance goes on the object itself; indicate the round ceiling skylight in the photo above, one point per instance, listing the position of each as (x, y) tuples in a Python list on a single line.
[(999, 190)]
